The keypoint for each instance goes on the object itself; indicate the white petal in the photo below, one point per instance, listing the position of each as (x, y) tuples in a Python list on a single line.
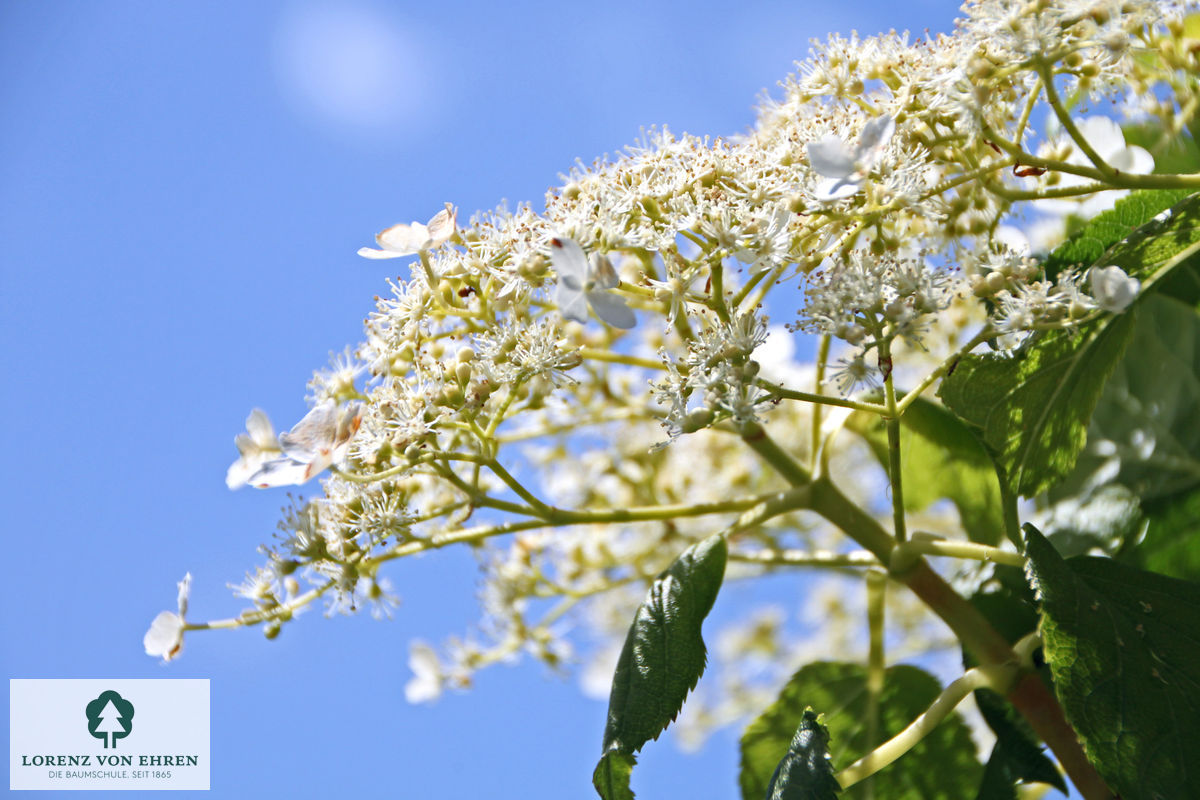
[(836, 189), (370, 252), (239, 472), (185, 588), (165, 637), (349, 420), (258, 425), (1113, 289), (571, 303), (611, 309), (875, 136), (830, 157), (426, 683), (313, 434), (1133, 160), (441, 227), (1103, 134), (281, 472), (568, 260), (404, 239), (603, 274)]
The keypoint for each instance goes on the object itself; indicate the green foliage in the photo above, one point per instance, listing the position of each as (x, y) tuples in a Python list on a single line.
[(1143, 434), (1171, 543), (663, 657), (612, 775), (1033, 406), (805, 772), (1086, 246), (1017, 756), (942, 765), (1177, 155), (1007, 603), (1124, 647), (940, 458)]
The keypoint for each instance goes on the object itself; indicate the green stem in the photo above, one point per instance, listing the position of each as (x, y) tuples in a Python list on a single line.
[(978, 678), (818, 399), (892, 422), (876, 596), (1030, 696), (819, 384), (921, 545), (804, 558)]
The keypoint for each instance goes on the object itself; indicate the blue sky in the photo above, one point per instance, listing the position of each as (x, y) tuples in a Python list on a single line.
[(183, 187)]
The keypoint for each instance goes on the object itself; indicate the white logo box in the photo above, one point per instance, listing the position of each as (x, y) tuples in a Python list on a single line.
[(138, 734)]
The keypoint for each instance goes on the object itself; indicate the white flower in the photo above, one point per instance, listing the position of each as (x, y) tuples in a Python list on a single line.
[(319, 440), (426, 683), (1113, 289), (1108, 141), (165, 637), (844, 168), (583, 283), (404, 240), (257, 446)]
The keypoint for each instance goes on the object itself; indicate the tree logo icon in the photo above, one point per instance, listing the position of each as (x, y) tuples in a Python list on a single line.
[(110, 717)]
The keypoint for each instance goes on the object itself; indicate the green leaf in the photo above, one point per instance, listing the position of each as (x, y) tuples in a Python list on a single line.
[(1173, 155), (664, 653), (805, 772), (1106, 229), (1124, 647), (998, 782), (940, 458), (943, 766), (1142, 434), (1033, 406), (612, 775), (1171, 543), (1017, 753)]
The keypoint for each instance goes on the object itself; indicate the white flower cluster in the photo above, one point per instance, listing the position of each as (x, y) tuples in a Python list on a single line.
[(501, 390), (715, 380)]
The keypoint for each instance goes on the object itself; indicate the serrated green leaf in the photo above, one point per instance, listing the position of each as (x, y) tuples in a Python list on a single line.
[(1017, 751), (940, 458), (998, 782), (612, 775), (1033, 406), (1124, 647), (943, 766), (1086, 246), (805, 773), (664, 653)]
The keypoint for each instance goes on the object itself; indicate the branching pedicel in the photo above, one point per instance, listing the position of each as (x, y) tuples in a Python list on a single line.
[(616, 341)]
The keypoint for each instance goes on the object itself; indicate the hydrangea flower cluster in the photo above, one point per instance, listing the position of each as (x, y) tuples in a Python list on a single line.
[(488, 406)]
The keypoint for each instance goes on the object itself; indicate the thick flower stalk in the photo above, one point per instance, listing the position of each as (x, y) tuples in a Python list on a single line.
[(584, 392)]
